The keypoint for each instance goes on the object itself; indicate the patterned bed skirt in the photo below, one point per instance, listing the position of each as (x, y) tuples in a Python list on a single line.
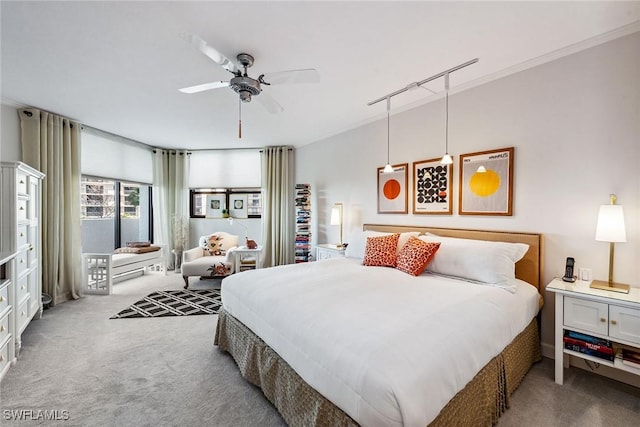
[(480, 403)]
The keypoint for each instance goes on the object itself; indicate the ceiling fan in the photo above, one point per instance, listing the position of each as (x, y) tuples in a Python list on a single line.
[(245, 86)]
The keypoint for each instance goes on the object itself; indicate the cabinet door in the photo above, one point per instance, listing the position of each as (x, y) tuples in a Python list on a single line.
[(624, 323), (586, 315)]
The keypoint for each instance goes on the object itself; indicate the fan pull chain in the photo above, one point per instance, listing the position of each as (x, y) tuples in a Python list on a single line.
[(239, 118)]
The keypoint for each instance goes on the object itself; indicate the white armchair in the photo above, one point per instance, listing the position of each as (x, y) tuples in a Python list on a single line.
[(212, 258)]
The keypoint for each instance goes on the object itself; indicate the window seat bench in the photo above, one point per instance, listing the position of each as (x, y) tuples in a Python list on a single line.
[(100, 271)]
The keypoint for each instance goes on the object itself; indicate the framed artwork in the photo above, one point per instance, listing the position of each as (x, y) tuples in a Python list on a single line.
[(238, 205), (215, 205), (486, 183), (392, 190), (432, 187)]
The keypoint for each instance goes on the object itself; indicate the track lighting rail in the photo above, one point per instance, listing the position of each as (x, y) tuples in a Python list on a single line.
[(420, 83)]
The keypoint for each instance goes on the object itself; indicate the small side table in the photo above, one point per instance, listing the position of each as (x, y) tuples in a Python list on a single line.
[(326, 251), (241, 252)]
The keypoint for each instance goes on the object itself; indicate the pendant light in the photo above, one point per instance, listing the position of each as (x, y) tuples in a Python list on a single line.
[(446, 159), (388, 168)]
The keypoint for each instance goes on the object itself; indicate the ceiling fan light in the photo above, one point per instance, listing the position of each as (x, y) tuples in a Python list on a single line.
[(388, 169), (446, 159)]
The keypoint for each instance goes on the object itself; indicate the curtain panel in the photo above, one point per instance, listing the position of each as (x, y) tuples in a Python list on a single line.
[(51, 144), (278, 206), (170, 199)]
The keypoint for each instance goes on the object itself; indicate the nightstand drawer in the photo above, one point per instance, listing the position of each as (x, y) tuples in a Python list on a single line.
[(21, 183), (586, 315), (22, 289), (4, 356), (23, 235), (22, 315), (624, 323), (4, 328), (4, 298)]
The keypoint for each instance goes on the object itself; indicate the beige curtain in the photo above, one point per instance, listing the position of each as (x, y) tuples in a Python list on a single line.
[(278, 206), (171, 202), (51, 144)]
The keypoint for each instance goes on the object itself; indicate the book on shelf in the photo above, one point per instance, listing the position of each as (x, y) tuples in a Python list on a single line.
[(588, 351), (630, 358), (587, 338), (589, 345)]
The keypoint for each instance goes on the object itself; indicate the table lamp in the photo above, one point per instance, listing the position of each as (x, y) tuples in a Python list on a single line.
[(336, 219), (610, 228)]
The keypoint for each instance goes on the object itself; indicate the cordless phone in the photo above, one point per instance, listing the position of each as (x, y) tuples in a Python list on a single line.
[(568, 270)]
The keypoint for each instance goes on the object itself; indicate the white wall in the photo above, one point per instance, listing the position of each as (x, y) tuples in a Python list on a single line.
[(575, 126), (9, 134)]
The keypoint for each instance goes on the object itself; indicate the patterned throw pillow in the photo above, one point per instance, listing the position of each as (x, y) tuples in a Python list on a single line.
[(381, 251), (415, 255)]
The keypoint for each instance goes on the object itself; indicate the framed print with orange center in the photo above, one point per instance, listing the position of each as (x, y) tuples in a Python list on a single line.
[(432, 187), (486, 183), (392, 190)]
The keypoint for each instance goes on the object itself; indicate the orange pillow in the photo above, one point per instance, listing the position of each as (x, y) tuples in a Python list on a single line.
[(381, 251), (415, 255)]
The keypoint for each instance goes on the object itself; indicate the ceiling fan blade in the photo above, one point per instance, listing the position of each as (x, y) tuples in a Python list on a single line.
[(270, 104), (309, 75), (203, 87), (212, 53)]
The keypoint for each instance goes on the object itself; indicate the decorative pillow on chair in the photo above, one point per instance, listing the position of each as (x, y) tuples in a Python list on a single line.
[(415, 255), (381, 251)]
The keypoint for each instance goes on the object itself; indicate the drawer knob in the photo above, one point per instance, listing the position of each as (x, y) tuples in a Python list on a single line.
[(24, 313), (1, 357), (21, 208), (21, 261), (21, 234), (22, 181), (1, 328), (602, 319), (1, 298), (613, 322)]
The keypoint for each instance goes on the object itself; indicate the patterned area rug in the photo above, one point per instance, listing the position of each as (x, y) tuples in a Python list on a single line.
[(184, 302)]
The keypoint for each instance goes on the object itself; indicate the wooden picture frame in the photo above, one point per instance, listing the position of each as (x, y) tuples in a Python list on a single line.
[(432, 188), (216, 203), (238, 205), (490, 192), (393, 190)]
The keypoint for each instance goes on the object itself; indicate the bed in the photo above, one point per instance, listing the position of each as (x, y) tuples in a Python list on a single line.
[(337, 343)]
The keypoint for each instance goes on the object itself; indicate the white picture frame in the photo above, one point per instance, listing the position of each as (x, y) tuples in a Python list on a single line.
[(238, 205), (215, 205)]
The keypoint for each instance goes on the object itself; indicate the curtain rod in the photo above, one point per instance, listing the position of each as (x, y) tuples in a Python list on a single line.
[(420, 83)]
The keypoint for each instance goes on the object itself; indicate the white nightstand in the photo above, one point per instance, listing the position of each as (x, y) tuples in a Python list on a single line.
[(247, 258), (326, 251), (609, 315)]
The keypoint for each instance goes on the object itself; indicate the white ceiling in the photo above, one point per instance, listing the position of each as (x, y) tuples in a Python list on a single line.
[(116, 66)]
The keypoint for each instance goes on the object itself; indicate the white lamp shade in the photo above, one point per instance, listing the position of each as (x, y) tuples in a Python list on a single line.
[(610, 226), (336, 215), (446, 160), (388, 168)]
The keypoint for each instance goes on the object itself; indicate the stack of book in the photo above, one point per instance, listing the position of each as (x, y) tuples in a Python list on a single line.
[(587, 344), (630, 357), (303, 220)]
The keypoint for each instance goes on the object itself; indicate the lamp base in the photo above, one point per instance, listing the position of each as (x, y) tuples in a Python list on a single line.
[(341, 245), (610, 286)]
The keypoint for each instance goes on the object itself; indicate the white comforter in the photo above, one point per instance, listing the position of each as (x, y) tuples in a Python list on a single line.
[(387, 348)]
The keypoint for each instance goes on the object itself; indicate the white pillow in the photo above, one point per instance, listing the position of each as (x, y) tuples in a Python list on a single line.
[(358, 242), (477, 260)]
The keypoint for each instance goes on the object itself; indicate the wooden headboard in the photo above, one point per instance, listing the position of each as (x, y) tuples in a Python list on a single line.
[(529, 268)]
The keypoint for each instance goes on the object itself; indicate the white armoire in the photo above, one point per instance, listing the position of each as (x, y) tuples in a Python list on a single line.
[(21, 225)]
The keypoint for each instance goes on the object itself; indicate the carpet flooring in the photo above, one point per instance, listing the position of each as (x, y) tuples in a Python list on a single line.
[(183, 302), (167, 372)]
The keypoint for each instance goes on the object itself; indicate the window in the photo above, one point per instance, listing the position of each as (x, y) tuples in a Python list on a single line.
[(102, 229), (204, 202)]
